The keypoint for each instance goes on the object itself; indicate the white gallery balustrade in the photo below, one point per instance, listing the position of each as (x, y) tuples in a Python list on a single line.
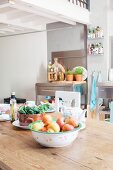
[(82, 3)]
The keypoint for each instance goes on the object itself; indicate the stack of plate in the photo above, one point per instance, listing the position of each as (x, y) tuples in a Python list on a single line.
[(4, 117)]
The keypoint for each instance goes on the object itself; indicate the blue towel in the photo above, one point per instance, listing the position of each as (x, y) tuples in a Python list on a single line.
[(99, 79), (111, 112), (78, 88), (93, 94)]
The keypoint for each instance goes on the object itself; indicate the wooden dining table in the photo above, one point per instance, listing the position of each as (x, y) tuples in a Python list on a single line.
[(92, 150)]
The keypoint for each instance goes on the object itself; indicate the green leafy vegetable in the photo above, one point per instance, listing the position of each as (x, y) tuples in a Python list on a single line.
[(35, 109)]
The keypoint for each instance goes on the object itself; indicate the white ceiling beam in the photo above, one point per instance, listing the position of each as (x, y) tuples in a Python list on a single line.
[(16, 28), (26, 26), (28, 18), (5, 20), (8, 11), (7, 30), (2, 32), (16, 14), (29, 9), (4, 5), (36, 20), (2, 25)]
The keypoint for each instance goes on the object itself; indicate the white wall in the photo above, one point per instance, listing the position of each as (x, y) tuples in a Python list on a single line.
[(23, 62), (110, 17), (65, 39), (110, 22), (99, 17)]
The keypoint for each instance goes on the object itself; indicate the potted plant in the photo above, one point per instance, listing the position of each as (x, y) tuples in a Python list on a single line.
[(78, 73), (69, 75)]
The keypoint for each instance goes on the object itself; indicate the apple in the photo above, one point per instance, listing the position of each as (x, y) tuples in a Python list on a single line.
[(47, 119), (38, 126), (50, 130), (72, 122), (54, 126), (44, 129), (60, 122), (67, 127)]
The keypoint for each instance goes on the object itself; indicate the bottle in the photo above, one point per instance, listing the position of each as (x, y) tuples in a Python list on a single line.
[(13, 109), (55, 76), (50, 67)]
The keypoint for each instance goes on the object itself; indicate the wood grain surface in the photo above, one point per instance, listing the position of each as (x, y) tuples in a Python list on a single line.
[(92, 150)]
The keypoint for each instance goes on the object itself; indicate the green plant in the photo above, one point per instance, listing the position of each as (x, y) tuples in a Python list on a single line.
[(69, 72), (78, 70)]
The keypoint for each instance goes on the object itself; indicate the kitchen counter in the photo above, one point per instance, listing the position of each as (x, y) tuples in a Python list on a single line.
[(49, 89), (69, 82), (105, 90), (92, 150), (107, 84)]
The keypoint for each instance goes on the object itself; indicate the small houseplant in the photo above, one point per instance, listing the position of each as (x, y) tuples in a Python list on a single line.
[(69, 75), (78, 73)]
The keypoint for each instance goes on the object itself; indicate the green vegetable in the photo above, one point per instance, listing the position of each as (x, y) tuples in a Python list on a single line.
[(22, 109), (35, 109), (28, 110)]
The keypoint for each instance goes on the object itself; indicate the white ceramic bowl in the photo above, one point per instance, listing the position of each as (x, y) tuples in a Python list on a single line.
[(59, 139)]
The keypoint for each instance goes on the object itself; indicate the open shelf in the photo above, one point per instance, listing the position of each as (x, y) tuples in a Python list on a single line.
[(95, 54), (97, 38)]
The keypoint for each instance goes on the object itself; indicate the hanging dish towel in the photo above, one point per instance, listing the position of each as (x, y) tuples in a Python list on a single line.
[(99, 79), (78, 88), (111, 112), (93, 94)]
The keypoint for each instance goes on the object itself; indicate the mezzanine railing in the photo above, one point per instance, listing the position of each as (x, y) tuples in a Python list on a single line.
[(82, 3)]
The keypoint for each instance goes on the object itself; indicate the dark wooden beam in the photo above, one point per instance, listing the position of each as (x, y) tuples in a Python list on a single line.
[(67, 54)]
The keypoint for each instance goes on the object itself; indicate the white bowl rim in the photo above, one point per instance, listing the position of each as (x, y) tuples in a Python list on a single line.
[(75, 129)]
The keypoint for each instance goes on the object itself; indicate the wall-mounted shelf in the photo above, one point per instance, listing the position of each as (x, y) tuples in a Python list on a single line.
[(95, 48), (97, 38), (95, 54), (95, 41), (95, 32)]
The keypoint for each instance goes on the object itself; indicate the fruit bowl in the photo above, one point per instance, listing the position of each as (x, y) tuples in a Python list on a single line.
[(56, 139)]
